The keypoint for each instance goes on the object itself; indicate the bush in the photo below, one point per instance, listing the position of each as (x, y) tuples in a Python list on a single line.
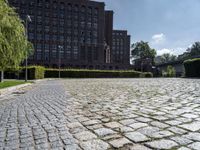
[(192, 67), (80, 73), (148, 75), (171, 72)]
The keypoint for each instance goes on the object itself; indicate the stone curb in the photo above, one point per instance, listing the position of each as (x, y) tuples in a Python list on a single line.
[(6, 91)]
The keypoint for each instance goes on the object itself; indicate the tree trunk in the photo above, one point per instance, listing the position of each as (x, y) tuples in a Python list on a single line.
[(2, 76)]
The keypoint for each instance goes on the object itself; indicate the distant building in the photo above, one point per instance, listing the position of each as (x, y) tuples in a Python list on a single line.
[(121, 48), (79, 33)]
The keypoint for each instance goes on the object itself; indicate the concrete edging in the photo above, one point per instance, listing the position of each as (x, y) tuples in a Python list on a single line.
[(9, 90)]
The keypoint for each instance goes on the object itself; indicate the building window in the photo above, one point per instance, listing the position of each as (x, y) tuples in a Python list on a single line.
[(39, 36), (46, 37), (46, 55), (46, 28), (54, 22), (54, 51), (39, 28), (69, 7), (68, 55), (62, 38), (82, 24), (62, 15), (61, 29), (39, 3), (89, 11), (96, 11), (54, 5), (89, 24), (62, 5), (47, 5), (46, 21), (76, 8), (54, 30), (75, 52), (75, 32), (69, 39), (54, 37), (62, 22), (46, 14), (69, 23), (32, 3), (55, 14), (69, 32), (75, 17), (31, 36), (69, 17), (76, 24), (31, 27), (39, 56)]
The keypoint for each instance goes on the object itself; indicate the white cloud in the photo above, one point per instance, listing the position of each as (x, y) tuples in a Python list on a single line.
[(158, 38), (174, 51), (164, 50)]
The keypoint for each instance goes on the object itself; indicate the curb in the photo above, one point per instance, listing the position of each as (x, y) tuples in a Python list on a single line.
[(9, 90)]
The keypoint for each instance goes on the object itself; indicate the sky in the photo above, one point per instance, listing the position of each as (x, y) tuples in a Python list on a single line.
[(170, 26)]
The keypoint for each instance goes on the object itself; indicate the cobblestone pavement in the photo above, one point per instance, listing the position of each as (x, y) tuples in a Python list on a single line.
[(100, 114)]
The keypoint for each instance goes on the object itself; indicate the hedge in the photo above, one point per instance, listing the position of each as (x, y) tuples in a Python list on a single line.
[(192, 67), (34, 72), (78, 73)]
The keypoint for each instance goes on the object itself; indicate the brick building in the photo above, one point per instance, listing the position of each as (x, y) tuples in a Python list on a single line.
[(76, 33)]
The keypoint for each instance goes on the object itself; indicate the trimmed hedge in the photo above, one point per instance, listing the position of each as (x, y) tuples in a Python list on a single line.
[(34, 72), (192, 67), (148, 75), (74, 73)]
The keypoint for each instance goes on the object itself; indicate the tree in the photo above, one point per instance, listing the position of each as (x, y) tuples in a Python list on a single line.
[(167, 57), (14, 46), (191, 52), (142, 50), (195, 49)]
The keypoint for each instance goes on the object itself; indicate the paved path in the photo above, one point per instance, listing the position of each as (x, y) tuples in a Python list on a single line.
[(98, 114)]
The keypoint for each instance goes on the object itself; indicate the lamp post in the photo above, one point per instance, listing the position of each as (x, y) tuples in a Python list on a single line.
[(28, 19), (59, 61)]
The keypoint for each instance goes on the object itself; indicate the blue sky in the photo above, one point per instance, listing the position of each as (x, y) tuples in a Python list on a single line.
[(168, 25)]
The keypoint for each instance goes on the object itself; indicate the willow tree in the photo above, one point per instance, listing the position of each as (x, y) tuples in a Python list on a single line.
[(14, 46)]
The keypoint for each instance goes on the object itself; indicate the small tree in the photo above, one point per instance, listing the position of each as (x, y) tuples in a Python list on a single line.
[(171, 72), (14, 46)]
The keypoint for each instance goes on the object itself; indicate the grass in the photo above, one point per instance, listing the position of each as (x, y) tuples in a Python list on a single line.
[(6, 84)]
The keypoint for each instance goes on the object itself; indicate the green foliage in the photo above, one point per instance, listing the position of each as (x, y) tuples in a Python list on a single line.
[(195, 49), (148, 75), (142, 50), (34, 72), (171, 72), (191, 52), (167, 57), (78, 73), (192, 67), (13, 43)]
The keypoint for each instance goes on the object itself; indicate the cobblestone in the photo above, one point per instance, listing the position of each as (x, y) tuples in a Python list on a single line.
[(100, 114)]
